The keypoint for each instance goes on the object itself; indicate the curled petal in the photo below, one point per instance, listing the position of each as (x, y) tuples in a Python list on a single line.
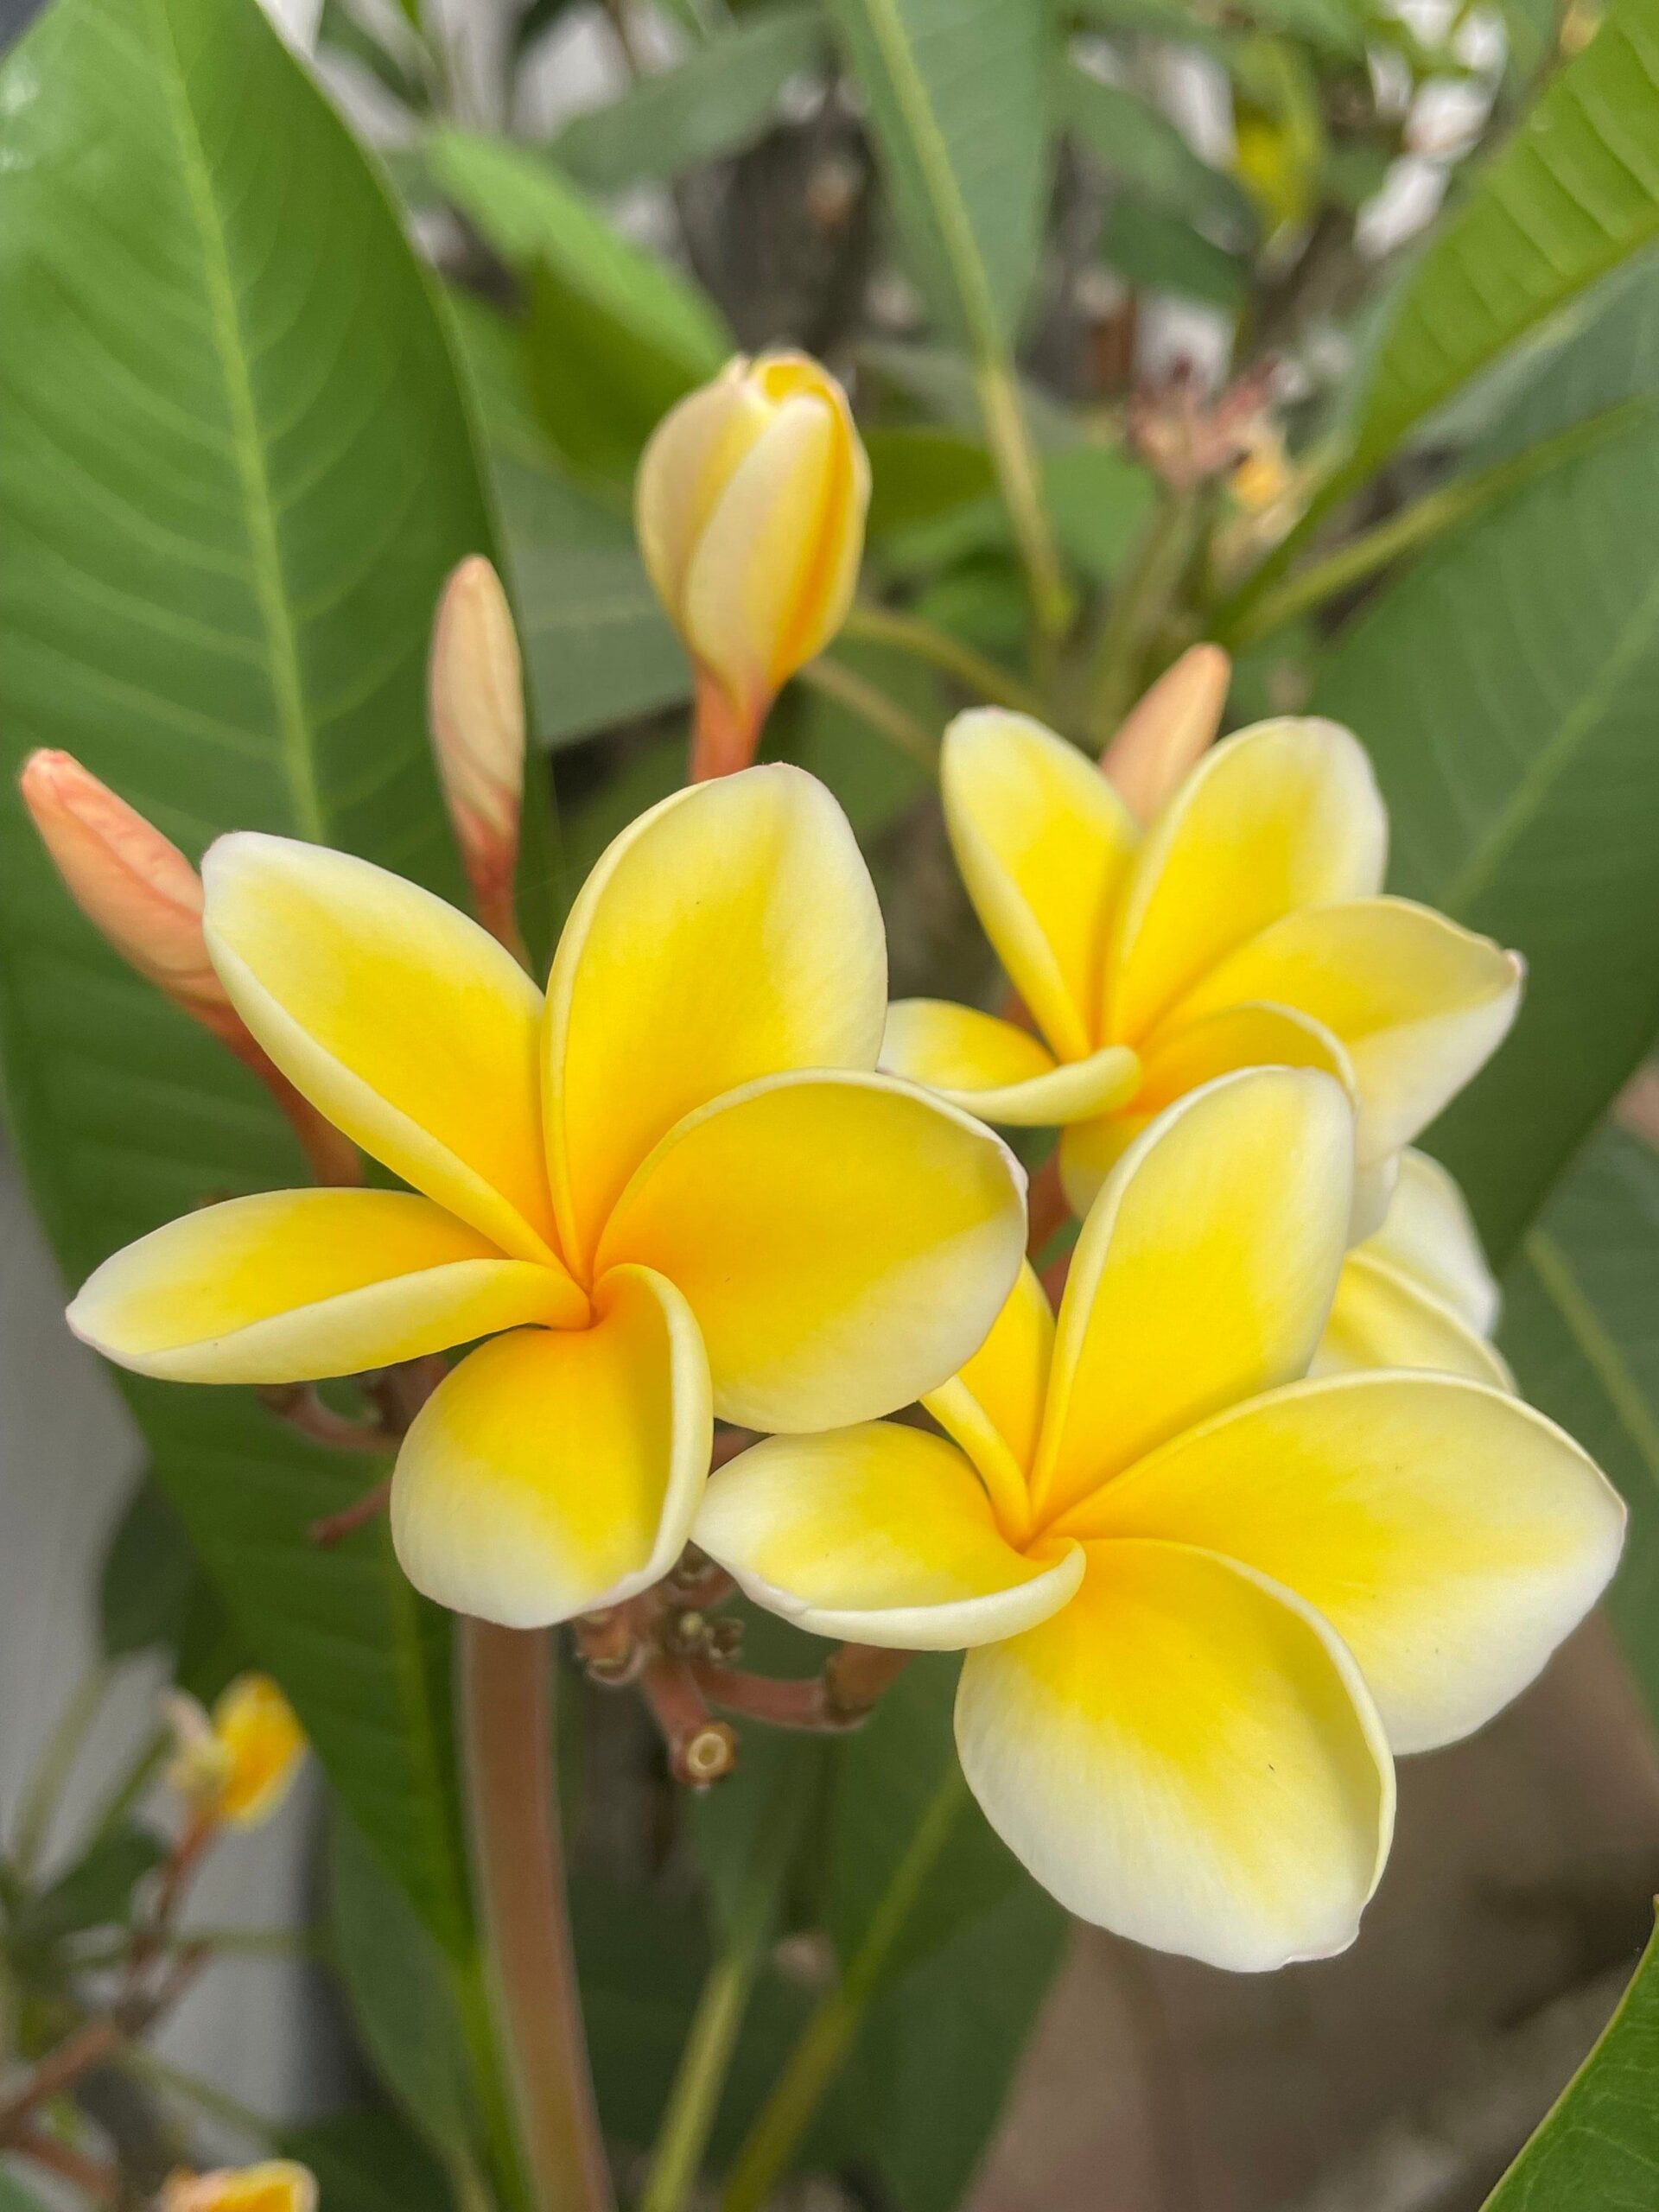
[(558, 1470), (293, 1286), (990, 1068), (1187, 1755), (1383, 1317), (1428, 1232)]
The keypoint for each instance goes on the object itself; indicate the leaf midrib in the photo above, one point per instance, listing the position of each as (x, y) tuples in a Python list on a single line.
[(1600, 1349)]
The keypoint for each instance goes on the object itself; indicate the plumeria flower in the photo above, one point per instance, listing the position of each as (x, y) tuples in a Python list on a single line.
[(672, 1186), (1243, 928), (1204, 1599), (236, 1763), (1417, 1293), (274, 2185)]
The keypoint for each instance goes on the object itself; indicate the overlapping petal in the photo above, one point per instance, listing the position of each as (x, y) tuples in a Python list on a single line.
[(880, 1534), (998, 1071), (1427, 1233), (1204, 1273), (1450, 1535), (1283, 816), (994, 1405), (1184, 1754), (1381, 1317), (558, 1470), (397, 1017), (730, 933), (1417, 1003), (1044, 843), (844, 1241), (290, 1286)]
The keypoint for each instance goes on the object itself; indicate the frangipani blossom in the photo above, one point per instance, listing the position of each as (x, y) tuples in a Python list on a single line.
[(236, 1763), (672, 1186), (1204, 1599), (274, 2185), (1244, 928)]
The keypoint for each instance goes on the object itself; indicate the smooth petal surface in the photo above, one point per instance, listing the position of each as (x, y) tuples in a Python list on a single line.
[(1044, 844), (262, 1745), (880, 1534), (1428, 1232), (1381, 1317), (844, 1241), (732, 932), (1203, 1274), (994, 1406), (1417, 1003), (1283, 815), (1450, 1536), (559, 1470), (990, 1068), (403, 1022), (291, 1285), (1187, 1755), (687, 460)]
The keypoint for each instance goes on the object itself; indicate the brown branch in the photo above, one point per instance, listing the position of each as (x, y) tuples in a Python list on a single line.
[(100, 2180), (58, 2071), (700, 1750), (841, 1698), (298, 1405), (334, 1528)]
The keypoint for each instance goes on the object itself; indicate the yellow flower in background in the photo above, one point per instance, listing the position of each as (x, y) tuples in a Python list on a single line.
[(236, 1763), (672, 1186), (275, 2185), (1418, 1293), (1244, 928), (749, 507), (1203, 1599)]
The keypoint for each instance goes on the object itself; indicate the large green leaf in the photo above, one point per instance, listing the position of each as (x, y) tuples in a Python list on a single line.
[(1573, 193), (958, 95), (1144, 151), (235, 470), (1599, 2149)]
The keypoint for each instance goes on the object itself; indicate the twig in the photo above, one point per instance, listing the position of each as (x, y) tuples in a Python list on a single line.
[(838, 682), (334, 1528), (922, 640), (700, 1750), (61, 2068), (299, 1406), (100, 2180)]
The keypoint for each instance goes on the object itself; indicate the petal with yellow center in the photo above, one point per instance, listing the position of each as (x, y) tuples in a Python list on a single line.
[(1187, 1755), (1417, 1003), (1428, 1232), (292, 1286), (1203, 1274), (1383, 1317), (730, 933), (990, 1068), (880, 1534), (1283, 815), (1044, 843), (403, 1022), (994, 1406), (845, 1241), (558, 1470), (1450, 1536)]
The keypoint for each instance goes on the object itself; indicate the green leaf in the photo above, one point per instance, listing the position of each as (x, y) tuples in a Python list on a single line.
[(1144, 151), (957, 92), (14, 2197), (1581, 1329), (918, 473), (1169, 255), (714, 102), (148, 1578), (1573, 191), (1505, 689), (96, 1891), (1597, 2151), (236, 470), (366, 2160)]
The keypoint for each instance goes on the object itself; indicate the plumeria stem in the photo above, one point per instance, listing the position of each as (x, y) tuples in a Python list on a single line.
[(925, 641), (723, 740), (700, 1749), (99, 2179), (298, 1404), (841, 1697), (517, 1861), (334, 1528)]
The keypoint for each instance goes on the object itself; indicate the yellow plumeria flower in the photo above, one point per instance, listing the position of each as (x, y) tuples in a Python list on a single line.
[(1203, 1598), (1244, 928), (749, 505), (1417, 1293), (672, 1186), (239, 1763), (275, 2185)]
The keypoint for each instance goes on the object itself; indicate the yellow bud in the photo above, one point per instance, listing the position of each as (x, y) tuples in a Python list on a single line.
[(476, 682), (750, 504), (1162, 738), (1262, 475), (239, 1763), (275, 2185)]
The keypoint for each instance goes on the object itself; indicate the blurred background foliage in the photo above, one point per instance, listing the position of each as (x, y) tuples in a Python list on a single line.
[(1324, 328)]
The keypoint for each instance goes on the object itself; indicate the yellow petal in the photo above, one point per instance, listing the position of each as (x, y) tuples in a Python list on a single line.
[(1381, 1317), (1450, 1535), (1417, 1003), (290, 1286), (559, 1470), (262, 1744), (687, 462), (990, 1068), (880, 1534), (273, 2185), (1177, 1058), (1187, 1755), (1283, 816), (1044, 844), (403, 1022), (731, 933), (1427, 1233), (1203, 1274), (994, 1407), (844, 1241)]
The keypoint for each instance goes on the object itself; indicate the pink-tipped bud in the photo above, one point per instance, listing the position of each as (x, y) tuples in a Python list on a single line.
[(1162, 737), (477, 704)]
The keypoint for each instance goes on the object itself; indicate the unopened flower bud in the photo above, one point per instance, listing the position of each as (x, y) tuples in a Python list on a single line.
[(236, 1764), (750, 504), (477, 705), (1162, 737), (274, 2185)]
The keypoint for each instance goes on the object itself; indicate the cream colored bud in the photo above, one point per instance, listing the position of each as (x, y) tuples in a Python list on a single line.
[(750, 504), (274, 2185), (1162, 737), (477, 699)]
